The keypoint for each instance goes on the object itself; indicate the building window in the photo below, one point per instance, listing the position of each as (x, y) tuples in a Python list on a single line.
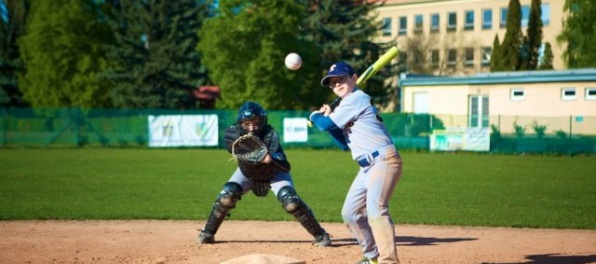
[(418, 23), (469, 23), (517, 94), (451, 21), (434, 23), (386, 26), (469, 57), (486, 53), (525, 12), (568, 94), (451, 57), (545, 14), (403, 26), (503, 17), (590, 93), (487, 19), (478, 111), (434, 58)]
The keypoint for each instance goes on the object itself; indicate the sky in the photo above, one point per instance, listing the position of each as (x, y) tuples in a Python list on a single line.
[(3, 12)]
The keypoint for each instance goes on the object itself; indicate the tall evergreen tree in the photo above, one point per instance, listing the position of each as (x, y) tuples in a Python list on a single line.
[(244, 47), (509, 50), (546, 62), (13, 15), (62, 60), (153, 62), (523, 54), (579, 32), (343, 30), (495, 57), (534, 34)]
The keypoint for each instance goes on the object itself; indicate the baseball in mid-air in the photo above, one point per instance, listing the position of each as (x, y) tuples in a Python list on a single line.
[(293, 61)]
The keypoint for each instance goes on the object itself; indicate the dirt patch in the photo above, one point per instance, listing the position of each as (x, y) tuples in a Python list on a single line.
[(152, 241)]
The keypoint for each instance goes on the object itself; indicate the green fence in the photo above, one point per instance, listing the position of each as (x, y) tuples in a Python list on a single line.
[(53, 128)]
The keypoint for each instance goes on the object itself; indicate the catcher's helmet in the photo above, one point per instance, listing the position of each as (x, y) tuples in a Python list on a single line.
[(252, 111)]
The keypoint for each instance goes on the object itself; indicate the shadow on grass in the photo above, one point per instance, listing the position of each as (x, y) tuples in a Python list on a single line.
[(553, 259)]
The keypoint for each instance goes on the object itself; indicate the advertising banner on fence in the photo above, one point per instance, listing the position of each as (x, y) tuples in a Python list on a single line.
[(469, 139), (183, 130), (477, 139), (295, 129)]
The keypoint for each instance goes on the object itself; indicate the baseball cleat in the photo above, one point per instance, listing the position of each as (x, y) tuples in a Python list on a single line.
[(322, 240), (366, 260), (205, 238)]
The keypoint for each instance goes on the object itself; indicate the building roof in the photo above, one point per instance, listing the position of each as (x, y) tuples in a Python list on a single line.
[(576, 75), (207, 92)]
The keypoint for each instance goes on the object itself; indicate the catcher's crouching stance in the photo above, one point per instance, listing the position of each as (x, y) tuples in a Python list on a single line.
[(262, 166)]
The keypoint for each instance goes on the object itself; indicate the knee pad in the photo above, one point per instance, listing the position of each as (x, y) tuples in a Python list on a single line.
[(289, 199), (225, 201), (231, 193)]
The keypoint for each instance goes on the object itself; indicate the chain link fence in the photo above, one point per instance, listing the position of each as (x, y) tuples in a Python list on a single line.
[(55, 128)]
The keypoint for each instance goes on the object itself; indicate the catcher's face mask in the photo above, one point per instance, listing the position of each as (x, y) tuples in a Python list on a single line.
[(251, 126)]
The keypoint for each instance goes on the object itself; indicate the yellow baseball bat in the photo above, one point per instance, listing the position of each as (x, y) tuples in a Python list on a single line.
[(380, 63), (370, 71)]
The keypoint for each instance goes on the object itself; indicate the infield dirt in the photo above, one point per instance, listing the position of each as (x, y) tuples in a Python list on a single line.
[(156, 241)]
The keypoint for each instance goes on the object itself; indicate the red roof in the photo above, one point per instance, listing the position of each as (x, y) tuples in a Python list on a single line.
[(207, 92)]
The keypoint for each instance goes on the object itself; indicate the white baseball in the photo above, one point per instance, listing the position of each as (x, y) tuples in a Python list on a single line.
[(293, 61)]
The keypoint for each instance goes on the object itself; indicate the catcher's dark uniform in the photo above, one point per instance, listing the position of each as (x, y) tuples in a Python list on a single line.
[(260, 175), (261, 178)]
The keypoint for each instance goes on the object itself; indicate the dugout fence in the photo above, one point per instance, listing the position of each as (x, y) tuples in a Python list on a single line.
[(129, 128)]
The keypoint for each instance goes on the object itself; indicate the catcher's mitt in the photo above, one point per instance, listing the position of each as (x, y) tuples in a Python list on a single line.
[(249, 148)]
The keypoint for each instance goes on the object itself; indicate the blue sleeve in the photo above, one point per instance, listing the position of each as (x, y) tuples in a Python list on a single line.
[(339, 138), (324, 123)]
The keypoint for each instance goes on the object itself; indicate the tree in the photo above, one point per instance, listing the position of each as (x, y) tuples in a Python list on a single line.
[(546, 62), (523, 54), (62, 60), (343, 30), (509, 49), (420, 48), (534, 34), (244, 47), (153, 61), (579, 32), (13, 15), (495, 57)]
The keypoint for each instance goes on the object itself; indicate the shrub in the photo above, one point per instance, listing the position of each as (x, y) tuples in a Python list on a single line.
[(539, 129), (520, 131)]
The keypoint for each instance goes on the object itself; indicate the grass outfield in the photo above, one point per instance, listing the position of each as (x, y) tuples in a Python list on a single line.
[(442, 188)]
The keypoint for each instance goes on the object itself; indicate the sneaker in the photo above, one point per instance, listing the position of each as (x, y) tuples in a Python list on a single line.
[(322, 240), (205, 238), (366, 260)]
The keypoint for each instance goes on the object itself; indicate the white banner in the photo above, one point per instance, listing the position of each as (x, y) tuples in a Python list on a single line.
[(295, 129), (451, 139), (183, 130), (469, 139), (477, 139)]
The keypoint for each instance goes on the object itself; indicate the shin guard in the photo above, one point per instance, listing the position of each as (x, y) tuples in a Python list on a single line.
[(225, 201), (292, 203)]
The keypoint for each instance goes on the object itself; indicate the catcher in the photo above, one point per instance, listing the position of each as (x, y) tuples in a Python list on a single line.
[(260, 169)]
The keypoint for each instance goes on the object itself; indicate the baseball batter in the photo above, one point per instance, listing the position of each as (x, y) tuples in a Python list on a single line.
[(270, 174), (355, 125)]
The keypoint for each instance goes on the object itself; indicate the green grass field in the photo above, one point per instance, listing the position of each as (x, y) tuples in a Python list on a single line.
[(436, 188)]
